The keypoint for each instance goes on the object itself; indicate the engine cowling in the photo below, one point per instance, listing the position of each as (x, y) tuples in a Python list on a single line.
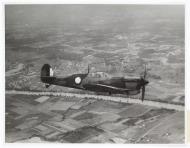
[(133, 92)]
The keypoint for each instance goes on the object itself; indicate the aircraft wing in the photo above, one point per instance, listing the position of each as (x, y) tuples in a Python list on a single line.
[(104, 88), (111, 87)]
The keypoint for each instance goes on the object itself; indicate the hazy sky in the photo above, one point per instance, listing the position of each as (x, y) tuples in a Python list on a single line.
[(77, 14)]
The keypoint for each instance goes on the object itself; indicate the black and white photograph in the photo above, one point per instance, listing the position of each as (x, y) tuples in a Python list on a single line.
[(95, 73)]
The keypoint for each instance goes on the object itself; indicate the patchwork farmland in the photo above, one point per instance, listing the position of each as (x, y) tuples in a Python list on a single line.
[(70, 119)]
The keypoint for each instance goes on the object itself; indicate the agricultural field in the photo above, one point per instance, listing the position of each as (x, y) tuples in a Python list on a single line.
[(63, 119)]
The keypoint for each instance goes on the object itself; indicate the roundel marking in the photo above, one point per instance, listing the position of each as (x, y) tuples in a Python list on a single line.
[(78, 80)]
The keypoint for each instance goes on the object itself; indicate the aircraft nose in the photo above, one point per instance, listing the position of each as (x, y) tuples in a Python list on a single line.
[(146, 82)]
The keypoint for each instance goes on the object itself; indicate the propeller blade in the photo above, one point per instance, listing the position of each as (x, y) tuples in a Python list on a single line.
[(88, 69), (145, 72), (143, 93)]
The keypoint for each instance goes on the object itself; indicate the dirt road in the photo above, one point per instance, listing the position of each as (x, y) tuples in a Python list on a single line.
[(101, 97)]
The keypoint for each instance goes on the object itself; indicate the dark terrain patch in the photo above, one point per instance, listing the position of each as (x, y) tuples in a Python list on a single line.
[(81, 134)]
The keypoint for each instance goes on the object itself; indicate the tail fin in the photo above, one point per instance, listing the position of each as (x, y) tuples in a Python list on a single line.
[(46, 71), (47, 74)]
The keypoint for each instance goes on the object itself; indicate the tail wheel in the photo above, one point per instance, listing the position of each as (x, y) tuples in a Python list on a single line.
[(47, 85)]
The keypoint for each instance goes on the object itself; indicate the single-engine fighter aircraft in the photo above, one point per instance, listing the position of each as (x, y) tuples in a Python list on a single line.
[(114, 85)]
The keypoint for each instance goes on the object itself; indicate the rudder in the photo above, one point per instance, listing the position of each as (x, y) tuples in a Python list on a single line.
[(47, 74), (46, 71)]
